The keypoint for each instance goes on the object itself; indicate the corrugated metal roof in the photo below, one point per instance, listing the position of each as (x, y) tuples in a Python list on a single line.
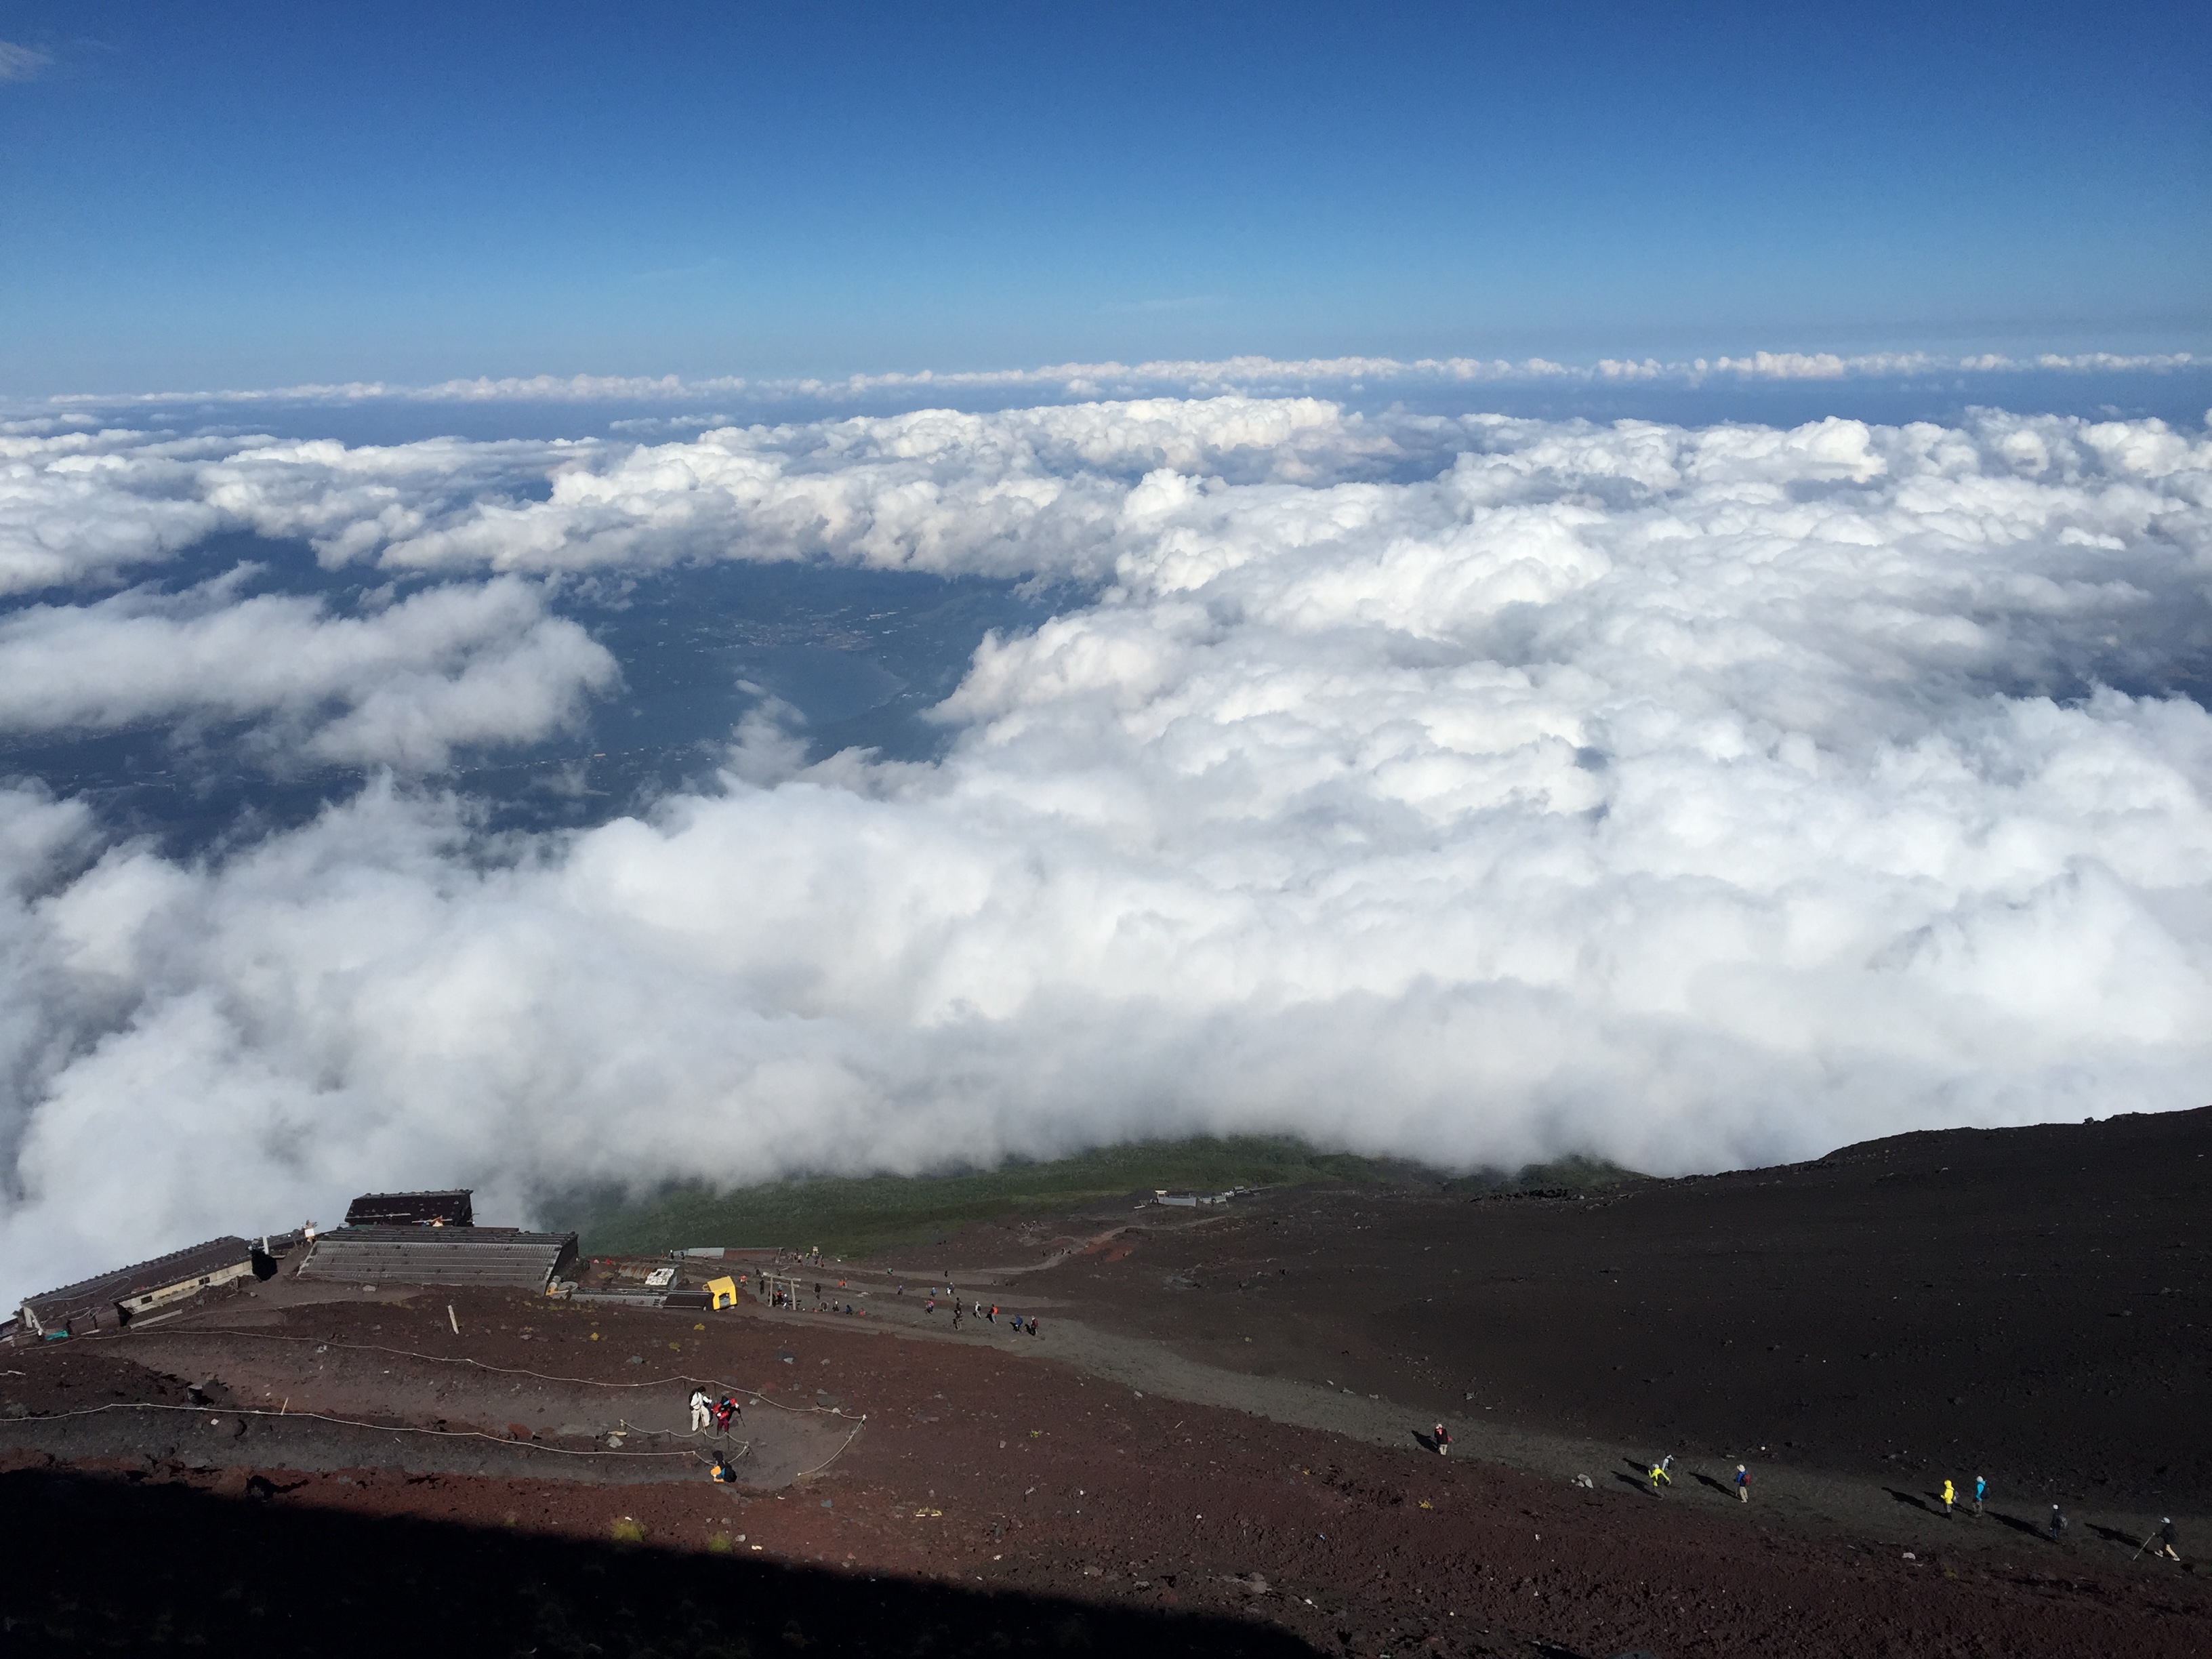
[(55, 1307), (455, 1208), (439, 1255)]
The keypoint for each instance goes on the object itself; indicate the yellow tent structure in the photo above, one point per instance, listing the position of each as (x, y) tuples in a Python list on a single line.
[(724, 1290)]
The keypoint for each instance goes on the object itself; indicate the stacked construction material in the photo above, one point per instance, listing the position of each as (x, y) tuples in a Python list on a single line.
[(502, 1256)]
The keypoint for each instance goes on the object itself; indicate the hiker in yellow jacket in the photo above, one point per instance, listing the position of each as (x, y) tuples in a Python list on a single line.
[(1949, 1496)]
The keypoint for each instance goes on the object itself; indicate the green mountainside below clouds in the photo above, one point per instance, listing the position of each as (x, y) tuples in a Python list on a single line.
[(853, 1217)]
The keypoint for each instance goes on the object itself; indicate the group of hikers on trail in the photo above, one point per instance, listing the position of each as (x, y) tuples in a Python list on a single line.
[(2163, 1535), (989, 1316), (1660, 1473), (719, 1413)]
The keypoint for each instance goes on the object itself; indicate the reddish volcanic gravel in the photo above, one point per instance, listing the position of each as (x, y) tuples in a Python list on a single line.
[(1004, 1493)]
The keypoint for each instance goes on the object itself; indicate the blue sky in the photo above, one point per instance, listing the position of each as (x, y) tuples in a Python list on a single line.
[(256, 194)]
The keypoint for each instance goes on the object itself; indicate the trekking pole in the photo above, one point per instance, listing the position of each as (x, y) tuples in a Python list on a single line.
[(2141, 1548)]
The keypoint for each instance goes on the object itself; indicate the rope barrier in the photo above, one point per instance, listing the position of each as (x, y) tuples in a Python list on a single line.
[(745, 1447), (348, 1422), (833, 1456), (482, 1365)]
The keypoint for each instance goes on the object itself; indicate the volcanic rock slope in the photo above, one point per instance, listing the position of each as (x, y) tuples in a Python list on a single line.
[(2032, 1304), (519, 1472)]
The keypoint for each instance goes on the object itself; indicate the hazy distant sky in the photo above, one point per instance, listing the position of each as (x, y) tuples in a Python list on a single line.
[(256, 194)]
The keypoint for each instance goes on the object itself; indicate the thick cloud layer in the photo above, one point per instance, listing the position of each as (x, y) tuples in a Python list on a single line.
[(1035, 490), (1472, 789)]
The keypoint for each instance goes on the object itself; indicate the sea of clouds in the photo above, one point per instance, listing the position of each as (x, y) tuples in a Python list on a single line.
[(1473, 789)]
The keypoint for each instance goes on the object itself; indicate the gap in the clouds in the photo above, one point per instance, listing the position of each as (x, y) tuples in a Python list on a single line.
[(848, 659), (861, 656)]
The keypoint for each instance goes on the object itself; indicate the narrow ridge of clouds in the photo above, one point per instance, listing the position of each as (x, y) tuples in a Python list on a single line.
[(1187, 377), (1033, 492)]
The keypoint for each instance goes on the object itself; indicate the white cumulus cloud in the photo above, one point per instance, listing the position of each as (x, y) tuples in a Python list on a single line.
[(456, 665), (1475, 790)]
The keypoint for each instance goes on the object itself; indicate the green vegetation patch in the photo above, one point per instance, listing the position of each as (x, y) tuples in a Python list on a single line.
[(1571, 1173), (853, 1217)]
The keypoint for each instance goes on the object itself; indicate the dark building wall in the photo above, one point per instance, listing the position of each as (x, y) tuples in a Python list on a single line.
[(452, 1209)]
